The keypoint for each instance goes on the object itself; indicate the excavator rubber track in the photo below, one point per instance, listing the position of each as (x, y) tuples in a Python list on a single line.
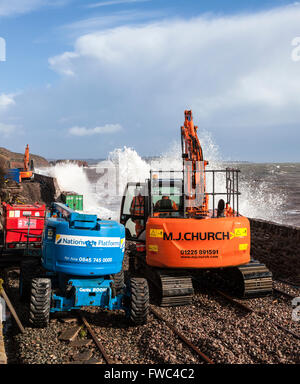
[(175, 288), (245, 281), (257, 279)]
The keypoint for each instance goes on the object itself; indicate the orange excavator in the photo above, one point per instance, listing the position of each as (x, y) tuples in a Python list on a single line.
[(187, 229), (26, 173)]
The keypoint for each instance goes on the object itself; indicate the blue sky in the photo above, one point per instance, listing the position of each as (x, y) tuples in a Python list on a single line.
[(84, 77)]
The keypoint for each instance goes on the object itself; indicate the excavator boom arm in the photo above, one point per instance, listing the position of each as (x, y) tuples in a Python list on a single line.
[(191, 147), (193, 166), (26, 158)]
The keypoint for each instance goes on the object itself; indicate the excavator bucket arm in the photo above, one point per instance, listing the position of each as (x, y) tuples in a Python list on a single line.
[(194, 168), (26, 158)]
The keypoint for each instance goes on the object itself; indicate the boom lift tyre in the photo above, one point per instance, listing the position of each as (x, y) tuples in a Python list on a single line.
[(40, 302), (28, 271), (118, 279), (139, 300)]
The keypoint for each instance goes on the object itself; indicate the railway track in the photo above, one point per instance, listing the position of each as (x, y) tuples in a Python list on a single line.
[(102, 332), (156, 314), (288, 283), (192, 346), (159, 316), (283, 293), (98, 343), (248, 309), (70, 334)]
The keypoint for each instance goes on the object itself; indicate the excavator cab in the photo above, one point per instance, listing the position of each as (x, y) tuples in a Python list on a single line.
[(163, 195), (159, 197)]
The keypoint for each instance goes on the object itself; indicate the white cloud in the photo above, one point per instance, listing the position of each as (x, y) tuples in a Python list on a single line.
[(6, 100), (64, 62), (235, 72), (100, 22), (114, 2), (83, 131), (12, 7), (214, 64)]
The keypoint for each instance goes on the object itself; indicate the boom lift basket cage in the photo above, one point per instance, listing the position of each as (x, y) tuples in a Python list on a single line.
[(214, 185)]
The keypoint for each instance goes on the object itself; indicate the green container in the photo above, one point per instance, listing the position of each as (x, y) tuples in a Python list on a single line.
[(74, 201)]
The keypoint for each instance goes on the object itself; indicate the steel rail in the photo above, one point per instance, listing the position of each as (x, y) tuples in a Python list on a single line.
[(261, 315), (181, 336), (294, 334), (234, 301), (283, 293), (288, 283), (96, 340)]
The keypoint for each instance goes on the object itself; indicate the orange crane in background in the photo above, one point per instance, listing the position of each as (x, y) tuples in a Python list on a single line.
[(26, 173), (186, 229)]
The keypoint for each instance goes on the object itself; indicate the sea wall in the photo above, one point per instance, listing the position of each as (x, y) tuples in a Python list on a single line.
[(288, 231), (278, 246), (49, 187)]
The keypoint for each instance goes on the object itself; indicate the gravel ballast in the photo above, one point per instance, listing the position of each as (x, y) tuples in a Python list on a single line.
[(224, 332)]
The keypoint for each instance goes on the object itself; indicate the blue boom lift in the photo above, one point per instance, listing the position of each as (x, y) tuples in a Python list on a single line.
[(82, 259)]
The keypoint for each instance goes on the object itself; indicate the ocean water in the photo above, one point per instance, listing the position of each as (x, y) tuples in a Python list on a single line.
[(273, 189), (269, 191)]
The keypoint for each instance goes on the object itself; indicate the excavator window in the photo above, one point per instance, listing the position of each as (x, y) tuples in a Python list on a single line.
[(132, 191), (134, 209), (167, 198)]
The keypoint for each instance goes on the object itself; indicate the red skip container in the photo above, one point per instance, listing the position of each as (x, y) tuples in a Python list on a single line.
[(18, 218)]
